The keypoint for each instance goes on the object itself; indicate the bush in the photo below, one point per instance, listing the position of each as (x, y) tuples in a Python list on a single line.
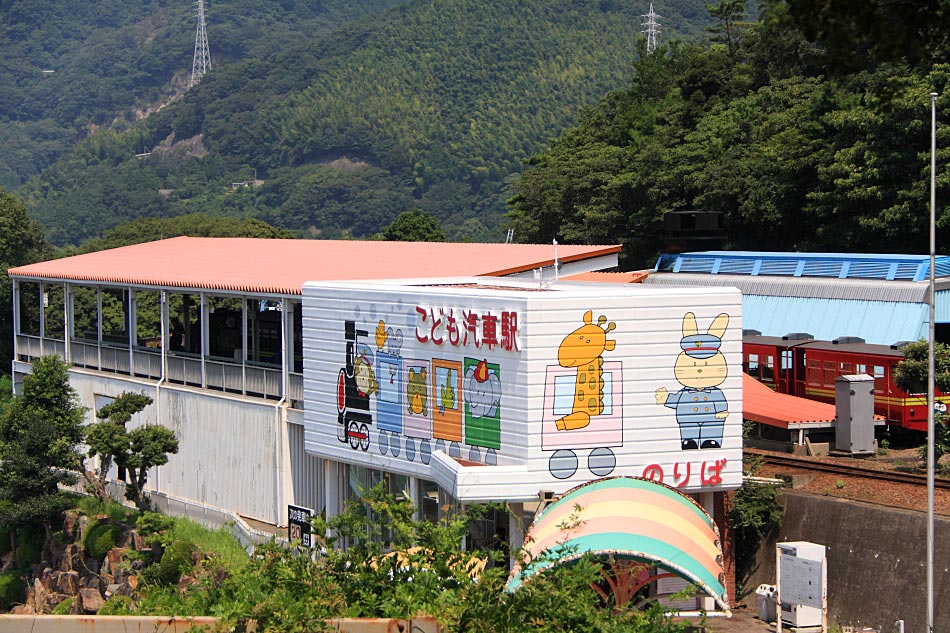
[(117, 605), (29, 549), (176, 560), (11, 589), (100, 538), (153, 523), (4, 540), (64, 607)]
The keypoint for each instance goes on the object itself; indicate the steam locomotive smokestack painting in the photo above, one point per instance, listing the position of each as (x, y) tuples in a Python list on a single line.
[(355, 384)]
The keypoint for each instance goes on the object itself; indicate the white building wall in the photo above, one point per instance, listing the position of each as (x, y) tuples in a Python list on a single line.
[(633, 435), (226, 457)]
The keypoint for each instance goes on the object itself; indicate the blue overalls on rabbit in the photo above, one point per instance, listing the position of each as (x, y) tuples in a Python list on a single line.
[(696, 409)]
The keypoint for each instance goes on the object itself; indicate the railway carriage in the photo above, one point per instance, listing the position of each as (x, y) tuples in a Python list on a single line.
[(799, 365)]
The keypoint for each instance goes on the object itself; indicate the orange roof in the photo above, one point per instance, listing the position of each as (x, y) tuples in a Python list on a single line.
[(283, 266), (761, 404), (617, 278)]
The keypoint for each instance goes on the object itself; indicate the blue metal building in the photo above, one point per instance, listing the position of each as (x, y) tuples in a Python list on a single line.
[(882, 299)]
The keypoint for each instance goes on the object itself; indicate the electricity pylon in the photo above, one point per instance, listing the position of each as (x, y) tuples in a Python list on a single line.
[(202, 59)]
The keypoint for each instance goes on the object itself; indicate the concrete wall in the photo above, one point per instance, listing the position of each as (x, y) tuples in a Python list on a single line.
[(876, 560)]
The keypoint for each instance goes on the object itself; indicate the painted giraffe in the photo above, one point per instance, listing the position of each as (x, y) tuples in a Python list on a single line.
[(583, 348)]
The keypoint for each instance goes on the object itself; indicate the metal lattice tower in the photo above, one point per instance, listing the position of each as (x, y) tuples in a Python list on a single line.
[(202, 60), (653, 27)]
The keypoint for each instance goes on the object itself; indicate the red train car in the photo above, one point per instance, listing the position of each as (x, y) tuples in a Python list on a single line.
[(799, 365)]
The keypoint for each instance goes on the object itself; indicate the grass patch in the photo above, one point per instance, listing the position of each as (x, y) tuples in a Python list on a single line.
[(219, 541), (93, 506)]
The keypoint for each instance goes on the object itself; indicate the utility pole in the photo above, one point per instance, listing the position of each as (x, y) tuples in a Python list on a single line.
[(202, 60), (653, 27)]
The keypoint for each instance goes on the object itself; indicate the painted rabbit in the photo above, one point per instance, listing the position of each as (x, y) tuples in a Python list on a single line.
[(701, 407)]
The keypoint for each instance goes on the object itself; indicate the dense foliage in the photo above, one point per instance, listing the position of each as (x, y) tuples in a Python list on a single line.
[(68, 69), (40, 432), (911, 375), (431, 105), (291, 590), (754, 130)]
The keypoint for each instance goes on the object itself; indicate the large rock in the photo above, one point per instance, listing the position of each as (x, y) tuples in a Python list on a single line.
[(40, 596), (70, 523), (66, 582), (72, 559), (91, 600)]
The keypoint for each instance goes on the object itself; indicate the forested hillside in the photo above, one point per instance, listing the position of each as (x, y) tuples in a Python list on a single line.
[(798, 149), (68, 69), (430, 104)]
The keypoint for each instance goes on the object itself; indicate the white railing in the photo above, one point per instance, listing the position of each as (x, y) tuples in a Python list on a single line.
[(184, 369), (253, 380), (114, 358), (224, 375), (263, 381), (84, 354), (147, 363), (295, 390)]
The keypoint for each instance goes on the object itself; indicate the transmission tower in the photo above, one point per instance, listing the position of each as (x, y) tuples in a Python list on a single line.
[(653, 27), (202, 60)]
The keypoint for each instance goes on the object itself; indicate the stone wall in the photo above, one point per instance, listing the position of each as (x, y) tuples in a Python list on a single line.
[(876, 560)]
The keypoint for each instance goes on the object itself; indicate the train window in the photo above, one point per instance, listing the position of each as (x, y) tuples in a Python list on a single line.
[(752, 365), (814, 372), (845, 369), (831, 372), (786, 359), (860, 369), (768, 368), (878, 371)]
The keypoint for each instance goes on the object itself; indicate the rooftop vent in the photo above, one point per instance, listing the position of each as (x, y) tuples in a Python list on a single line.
[(846, 340), (798, 336)]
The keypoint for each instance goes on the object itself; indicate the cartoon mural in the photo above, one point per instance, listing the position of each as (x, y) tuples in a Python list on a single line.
[(701, 407), (353, 401), (482, 392), (417, 401), (583, 401)]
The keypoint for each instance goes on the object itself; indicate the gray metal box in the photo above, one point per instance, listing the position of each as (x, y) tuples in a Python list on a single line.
[(854, 406)]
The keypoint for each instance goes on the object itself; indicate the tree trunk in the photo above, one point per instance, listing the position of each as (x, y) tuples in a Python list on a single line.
[(95, 482)]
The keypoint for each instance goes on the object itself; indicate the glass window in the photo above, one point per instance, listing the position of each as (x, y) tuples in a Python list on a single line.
[(786, 359), (831, 372), (814, 372), (768, 368), (845, 369)]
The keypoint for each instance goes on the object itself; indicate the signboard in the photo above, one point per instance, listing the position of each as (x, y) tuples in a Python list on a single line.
[(801, 581), (298, 525)]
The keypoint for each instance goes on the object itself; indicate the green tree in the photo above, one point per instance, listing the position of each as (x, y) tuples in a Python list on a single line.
[(729, 14), (911, 375), (40, 433), (134, 451), (21, 242), (414, 226)]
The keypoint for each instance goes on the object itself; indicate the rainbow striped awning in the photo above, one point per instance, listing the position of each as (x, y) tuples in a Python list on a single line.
[(631, 518)]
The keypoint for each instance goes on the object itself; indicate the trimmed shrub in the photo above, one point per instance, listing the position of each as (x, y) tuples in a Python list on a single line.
[(11, 589), (64, 607), (100, 538), (176, 560)]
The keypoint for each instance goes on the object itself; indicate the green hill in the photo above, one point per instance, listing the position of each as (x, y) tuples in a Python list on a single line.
[(431, 104)]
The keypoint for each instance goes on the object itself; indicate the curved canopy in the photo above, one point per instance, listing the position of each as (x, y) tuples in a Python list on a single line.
[(631, 518)]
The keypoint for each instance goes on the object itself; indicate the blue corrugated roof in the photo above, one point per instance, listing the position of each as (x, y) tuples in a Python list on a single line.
[(826, 319), (834, 265)]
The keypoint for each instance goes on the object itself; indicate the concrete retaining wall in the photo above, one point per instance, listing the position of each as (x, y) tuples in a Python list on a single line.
[(876, 560)]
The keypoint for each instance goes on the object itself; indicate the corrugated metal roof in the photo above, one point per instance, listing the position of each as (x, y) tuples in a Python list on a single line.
[(283, 266), (856, 289), (836, 265), (761, 404), (876, 322)]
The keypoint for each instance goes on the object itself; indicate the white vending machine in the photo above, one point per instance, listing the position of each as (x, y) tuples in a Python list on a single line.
[(802, 573)]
